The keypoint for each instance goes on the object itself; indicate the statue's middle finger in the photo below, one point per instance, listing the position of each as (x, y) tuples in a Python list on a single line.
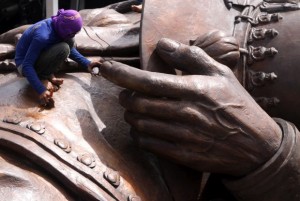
[(162, 108)]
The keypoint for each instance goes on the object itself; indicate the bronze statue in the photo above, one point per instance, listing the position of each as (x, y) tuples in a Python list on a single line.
[(189, 119), (217, 100), (81, 150)]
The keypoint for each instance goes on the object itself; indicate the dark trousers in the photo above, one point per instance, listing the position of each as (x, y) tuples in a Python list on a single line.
[(52, 58)]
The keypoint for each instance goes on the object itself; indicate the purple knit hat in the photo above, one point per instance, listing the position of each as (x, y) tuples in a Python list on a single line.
[(67, 23)]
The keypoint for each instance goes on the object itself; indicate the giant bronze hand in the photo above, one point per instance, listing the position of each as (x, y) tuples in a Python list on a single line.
[(206, 121)]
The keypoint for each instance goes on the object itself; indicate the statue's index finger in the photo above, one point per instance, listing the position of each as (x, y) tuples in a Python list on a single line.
[(151, 83)]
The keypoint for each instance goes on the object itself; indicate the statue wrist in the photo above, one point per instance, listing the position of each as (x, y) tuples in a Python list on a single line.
[(283, 168)]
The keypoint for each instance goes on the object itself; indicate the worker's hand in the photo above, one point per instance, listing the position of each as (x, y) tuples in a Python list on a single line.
[(94, 67), (206, 121), (48, 85), (45, 97), (56, 82)]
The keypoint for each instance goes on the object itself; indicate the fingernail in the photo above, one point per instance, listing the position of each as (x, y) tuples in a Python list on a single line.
[(168, 45)]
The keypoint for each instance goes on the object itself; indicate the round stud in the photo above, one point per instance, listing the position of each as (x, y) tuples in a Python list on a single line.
[(113, 177), (63, 144), (12, 119), (39, 128), (134, 198), (87, 159)]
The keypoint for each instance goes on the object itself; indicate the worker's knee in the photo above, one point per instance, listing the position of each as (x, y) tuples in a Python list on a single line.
[(63, 50)]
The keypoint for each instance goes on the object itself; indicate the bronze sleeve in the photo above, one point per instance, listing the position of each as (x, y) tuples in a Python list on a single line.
[(279, 178)]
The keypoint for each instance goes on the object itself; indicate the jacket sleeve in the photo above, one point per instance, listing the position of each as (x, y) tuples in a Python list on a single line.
[(79, 58)]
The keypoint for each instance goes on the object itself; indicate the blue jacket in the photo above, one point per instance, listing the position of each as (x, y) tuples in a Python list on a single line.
[(34, 40)]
